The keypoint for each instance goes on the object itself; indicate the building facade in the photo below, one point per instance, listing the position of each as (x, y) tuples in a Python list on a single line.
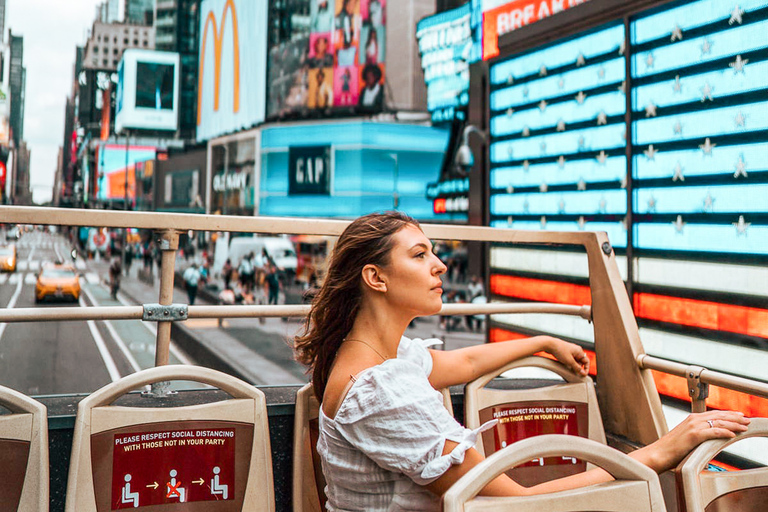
[(108, 41)]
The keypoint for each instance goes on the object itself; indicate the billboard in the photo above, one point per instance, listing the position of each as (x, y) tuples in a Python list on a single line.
[(232, 64), (112, 173), (445, 43), (339, 63), (503, 16), (147, 91)]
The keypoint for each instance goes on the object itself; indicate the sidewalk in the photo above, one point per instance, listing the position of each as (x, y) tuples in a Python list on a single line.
[(259, 353)]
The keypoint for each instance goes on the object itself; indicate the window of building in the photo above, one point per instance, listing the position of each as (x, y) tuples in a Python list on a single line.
[(135, 42), (104, 62), (114, 62), (95, 49), (144, 43), (125, 41)]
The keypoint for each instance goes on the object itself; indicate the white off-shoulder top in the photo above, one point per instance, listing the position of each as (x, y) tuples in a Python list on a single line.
[(387, 438)]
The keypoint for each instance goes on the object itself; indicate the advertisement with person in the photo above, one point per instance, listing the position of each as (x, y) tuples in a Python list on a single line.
[(326, 63)]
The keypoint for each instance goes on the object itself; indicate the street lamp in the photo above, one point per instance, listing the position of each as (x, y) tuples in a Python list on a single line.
[(464, 158)]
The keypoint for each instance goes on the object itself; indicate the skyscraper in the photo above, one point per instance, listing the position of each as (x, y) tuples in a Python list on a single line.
[(17, 87), (139, 12)]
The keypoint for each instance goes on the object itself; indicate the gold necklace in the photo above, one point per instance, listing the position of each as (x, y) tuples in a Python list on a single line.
[(369, 346)]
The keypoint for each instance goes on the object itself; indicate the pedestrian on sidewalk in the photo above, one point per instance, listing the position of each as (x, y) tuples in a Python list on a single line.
[(192, 278), (273, 284), (226, 273), (115, 270)]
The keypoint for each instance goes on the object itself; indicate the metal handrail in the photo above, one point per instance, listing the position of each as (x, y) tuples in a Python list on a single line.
[(705, 375), (246, 311), (614, 319)]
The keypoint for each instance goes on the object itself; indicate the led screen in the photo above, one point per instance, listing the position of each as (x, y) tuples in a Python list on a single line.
[(154, 85), (335, 61), (557, 131), (445, 42)]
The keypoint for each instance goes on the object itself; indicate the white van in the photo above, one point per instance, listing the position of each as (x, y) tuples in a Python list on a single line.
[(280, 249)]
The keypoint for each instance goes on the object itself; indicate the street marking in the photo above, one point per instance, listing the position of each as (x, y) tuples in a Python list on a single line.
[(80, 265), (34, 265), (105, 355), (3, 278), (112, 332), (21, 265), (58, 254), (15, 278), (30, 279), (92, 278), (31, 253), (11, 304)]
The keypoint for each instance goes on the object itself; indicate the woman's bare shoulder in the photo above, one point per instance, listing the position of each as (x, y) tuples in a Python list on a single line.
[(348, 365)]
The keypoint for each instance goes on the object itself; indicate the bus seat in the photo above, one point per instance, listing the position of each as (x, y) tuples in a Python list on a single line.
[(636, 488), (722, 491), (215, 453), (308, 479), (562, 408), (23, 453)]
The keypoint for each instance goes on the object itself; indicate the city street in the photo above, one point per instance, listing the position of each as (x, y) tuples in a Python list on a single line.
[(39, 358)]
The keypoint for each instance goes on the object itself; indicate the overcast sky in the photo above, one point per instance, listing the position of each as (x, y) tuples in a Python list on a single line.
[(51, 30)]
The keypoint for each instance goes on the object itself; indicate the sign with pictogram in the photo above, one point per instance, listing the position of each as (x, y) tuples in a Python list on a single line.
[(521, 420), (195, 461)]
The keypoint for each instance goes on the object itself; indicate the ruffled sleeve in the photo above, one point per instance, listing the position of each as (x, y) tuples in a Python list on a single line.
[(415, 351), (394, 416)]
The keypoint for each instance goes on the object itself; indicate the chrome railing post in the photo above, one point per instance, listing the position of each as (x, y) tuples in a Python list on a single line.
[(168, 242)]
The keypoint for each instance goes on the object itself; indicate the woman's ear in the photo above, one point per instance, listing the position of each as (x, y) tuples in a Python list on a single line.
[(374, 279)]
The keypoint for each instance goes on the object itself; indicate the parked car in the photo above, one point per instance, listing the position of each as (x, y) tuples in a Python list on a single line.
[(58, 282), (8, 258)]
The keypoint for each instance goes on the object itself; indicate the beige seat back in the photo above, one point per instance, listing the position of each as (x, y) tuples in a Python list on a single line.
[(563, 408), (23, 453), (636, 488), (308, 479), (212, 457), (742, 491)]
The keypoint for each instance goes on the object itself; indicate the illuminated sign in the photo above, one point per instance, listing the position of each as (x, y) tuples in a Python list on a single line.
[(147, 91), (309, 170), (446, 187), (500, 17), (231, 94), (457, 204), (445, 42)]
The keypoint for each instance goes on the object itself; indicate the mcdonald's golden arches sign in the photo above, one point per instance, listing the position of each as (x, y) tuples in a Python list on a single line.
[(231, 66)]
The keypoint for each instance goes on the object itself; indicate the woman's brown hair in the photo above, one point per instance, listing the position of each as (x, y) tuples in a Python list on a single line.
[(367, 240)]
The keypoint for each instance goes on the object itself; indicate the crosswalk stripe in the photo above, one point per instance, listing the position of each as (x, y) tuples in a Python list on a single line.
[(80, 265), (3, 278), (34, 265), (14, 279), (92, 278), (30, 279), (21, 265)]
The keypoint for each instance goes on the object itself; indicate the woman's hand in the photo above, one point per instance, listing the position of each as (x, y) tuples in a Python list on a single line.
[(667, 452), (569, 354)]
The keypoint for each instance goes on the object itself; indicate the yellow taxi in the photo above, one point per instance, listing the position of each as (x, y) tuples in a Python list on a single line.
[(8, 258), (57, 282)]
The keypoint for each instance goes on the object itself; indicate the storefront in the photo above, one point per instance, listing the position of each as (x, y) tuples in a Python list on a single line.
[(330, 169)]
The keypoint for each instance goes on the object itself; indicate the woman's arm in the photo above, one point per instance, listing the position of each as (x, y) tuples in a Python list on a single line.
[(460, 366), (660, 456)]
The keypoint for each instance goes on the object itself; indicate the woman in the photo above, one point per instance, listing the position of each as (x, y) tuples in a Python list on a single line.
[(386, 442)]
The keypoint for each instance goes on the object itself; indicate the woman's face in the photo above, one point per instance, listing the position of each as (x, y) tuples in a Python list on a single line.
[(413, 273)]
